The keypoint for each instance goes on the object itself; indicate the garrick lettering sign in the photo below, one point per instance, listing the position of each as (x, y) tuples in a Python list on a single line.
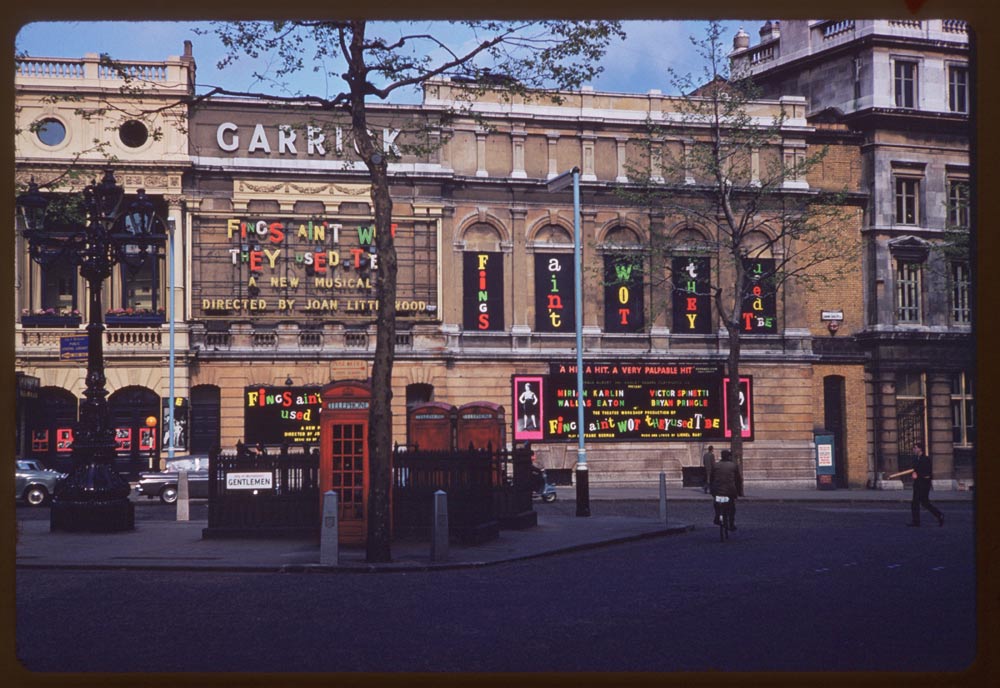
[(308, 268), (631, 401)]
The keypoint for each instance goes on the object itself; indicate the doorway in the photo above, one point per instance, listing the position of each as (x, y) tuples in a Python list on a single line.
[(834, 420)]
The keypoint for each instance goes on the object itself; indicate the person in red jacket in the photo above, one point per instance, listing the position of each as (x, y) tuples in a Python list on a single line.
[(922, 487)]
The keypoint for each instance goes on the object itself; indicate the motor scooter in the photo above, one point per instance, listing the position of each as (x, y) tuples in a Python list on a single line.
[(540, 485)]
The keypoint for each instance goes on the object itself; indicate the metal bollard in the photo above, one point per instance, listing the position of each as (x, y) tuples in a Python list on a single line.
[(663, 498), (329, 544), (183, 497), (439, 531)]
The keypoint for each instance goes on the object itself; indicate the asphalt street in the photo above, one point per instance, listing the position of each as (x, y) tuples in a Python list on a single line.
[(800, 587)]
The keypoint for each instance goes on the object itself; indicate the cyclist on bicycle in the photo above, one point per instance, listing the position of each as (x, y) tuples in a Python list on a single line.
[(726, 481)]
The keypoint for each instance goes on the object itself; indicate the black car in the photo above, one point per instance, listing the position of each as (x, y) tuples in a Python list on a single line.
[(164, 485)]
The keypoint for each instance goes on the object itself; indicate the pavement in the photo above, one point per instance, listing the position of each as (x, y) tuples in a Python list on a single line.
[(179, 546)]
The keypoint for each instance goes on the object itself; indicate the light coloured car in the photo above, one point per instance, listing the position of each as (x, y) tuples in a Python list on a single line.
[(34, 483)]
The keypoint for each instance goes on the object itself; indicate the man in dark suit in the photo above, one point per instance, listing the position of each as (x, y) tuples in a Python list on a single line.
[(922, 487)]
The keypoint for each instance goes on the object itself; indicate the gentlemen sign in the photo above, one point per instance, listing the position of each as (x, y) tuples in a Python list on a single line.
[(629, 401), (250, 481)]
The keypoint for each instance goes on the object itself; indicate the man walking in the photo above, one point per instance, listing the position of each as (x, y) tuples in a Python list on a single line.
[(922, 487), (726, 481), (708, 461)]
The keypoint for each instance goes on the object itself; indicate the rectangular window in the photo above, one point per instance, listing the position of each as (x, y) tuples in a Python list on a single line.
[(961, 311), (141, 287), (911, 418), (908, 292), (906, 84), (59, 286), (958, 89), (963, 417), (907, 200), (958, 203)]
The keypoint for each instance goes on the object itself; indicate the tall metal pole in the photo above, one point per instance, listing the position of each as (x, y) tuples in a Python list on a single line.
[(171, 225), (582, 479)]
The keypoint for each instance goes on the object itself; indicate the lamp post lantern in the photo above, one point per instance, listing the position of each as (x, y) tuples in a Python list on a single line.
[(94, 497), (582, 477)]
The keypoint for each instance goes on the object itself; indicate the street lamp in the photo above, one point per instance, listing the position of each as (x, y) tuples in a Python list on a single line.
[(94, 497), (582, 480)]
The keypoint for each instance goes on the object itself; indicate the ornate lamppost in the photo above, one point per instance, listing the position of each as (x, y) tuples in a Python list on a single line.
[(94, 497)]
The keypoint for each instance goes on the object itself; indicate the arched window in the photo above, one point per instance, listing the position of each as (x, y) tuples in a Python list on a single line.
[(624, 284), (482, 279)]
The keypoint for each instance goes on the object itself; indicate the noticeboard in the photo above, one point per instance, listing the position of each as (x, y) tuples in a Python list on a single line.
[(638, 401), (279, 415)]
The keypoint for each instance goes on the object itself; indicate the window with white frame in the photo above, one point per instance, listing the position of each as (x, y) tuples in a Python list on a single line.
[(961, 310), (905, 84), (963, 410), (958, 89), (908, 286), (958, 203), (907, 200)]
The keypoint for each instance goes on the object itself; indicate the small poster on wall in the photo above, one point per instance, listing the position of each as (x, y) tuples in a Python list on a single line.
[(528, 414)]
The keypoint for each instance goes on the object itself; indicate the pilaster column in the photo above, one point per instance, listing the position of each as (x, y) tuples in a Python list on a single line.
[(517, 138), (621, 176), (481, 154), (588, 142), (553, 140), (516, 272)]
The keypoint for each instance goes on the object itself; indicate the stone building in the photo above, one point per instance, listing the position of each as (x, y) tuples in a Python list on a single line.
[(274, 226), (906, 86), (73, 116)]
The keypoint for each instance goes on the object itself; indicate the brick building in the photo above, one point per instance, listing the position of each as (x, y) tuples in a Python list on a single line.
[(273, 229)]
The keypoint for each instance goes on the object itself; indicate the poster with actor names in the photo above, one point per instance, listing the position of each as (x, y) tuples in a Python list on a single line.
[(639, 401)]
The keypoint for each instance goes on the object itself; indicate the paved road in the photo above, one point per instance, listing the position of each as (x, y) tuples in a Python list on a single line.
[(800, 587)]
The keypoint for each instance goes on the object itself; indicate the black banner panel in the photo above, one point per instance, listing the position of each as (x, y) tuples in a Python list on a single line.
[(628, 401), (276, 415), (623, 294), (760, 309), (554, 302), (482, 291), (692, 295)]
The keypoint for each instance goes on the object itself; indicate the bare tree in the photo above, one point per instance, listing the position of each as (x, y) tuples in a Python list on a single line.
[(768, 231), (372, 61)]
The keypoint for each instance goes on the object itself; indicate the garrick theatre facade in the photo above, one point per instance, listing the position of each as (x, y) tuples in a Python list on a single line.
[(274, 272), (282, 272)]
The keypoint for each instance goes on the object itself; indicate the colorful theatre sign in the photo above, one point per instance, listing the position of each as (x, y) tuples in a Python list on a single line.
[(631, 401)]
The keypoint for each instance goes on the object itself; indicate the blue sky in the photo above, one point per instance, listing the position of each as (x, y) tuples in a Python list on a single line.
[(636, 65)]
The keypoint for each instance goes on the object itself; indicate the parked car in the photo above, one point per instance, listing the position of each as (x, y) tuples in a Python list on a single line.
[(34, 483), (164, 485)]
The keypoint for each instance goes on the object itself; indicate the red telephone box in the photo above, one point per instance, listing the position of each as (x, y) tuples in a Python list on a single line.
[(481, 424), (343, 465), (431, 426)]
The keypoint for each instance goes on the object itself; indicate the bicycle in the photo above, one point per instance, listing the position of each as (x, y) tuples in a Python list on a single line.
[(724, 512)]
